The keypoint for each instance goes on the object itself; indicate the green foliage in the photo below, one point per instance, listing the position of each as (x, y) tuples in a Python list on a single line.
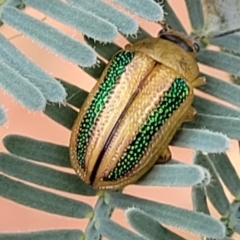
[(209, 133), (147, 9), (124, 23), (74, 51), (149, 227), (26, 93), (51, 89), (43, 235), (102, 31)]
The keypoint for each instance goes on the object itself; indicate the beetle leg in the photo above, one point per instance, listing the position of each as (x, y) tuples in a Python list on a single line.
[(199, 81), (191, 114), (165, 156)]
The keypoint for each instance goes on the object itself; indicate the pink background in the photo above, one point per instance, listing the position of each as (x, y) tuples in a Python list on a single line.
[(15, 217)]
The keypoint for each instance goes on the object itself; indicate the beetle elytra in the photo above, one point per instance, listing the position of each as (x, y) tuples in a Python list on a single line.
[(129, 118)]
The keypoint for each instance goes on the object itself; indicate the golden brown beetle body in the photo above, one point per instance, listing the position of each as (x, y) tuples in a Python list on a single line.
[(129, 118)]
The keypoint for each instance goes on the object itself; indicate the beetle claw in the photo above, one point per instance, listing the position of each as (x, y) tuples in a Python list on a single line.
[(199, 81), (191, 114), (165, 156)]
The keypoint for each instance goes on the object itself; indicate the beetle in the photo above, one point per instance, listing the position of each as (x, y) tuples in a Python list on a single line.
[(129, 118)]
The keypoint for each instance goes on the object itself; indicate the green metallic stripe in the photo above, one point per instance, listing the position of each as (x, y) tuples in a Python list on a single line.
[(172, 100), (115, 70)]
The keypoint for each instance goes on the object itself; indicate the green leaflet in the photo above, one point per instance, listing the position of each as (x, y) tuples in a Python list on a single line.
[(43, 235), (149, 227), (43, 200), (43, 176)]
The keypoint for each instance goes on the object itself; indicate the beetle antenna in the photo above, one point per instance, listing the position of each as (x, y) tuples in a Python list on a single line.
[(225, 33), (199, 38)]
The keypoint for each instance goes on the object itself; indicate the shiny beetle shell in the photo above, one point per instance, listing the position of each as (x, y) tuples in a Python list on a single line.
[(129, 118)]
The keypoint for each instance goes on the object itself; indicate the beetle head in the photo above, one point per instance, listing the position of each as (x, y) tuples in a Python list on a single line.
[(182, 40)]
